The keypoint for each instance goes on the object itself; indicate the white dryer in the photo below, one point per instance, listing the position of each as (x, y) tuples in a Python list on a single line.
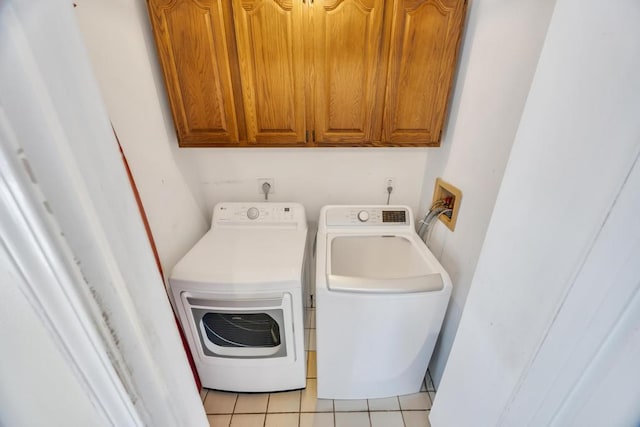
[(381, 297), (238, 295)]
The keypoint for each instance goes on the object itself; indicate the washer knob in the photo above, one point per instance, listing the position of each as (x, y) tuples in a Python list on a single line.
[(253, 213), (363, 216)]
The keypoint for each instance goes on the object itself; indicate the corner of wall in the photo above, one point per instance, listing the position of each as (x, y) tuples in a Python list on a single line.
[(124, 65)]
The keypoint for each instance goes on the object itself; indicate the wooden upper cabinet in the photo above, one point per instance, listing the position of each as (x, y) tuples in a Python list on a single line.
[(308, 72), (423, 56), (270, 40), (348, 70), (192, 41)]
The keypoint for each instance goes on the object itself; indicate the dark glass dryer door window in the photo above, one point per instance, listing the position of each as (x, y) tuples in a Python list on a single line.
[(241, 329)]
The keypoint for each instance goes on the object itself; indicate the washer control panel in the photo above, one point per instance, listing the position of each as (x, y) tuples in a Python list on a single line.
[(367, 215), (258, 213)]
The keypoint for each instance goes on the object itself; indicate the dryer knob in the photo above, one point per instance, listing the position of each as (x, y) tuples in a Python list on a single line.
[(363, 216), (253, 213)]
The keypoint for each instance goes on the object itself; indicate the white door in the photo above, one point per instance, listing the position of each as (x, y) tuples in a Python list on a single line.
[(74, 239)]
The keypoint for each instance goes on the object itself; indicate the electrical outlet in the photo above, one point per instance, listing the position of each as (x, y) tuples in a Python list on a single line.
[(389, 182), (452, 198), (262, 181)]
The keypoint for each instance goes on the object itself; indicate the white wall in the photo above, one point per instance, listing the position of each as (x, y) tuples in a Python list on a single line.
[(576, 144), (501, 47), (117, 38), (313, 177), (179, 187)]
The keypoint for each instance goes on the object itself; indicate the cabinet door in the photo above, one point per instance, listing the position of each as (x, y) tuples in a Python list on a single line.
[(191, 37), (270, 49), (347, 44), (424, 45)]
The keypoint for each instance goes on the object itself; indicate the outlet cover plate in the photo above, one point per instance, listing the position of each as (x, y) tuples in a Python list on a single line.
[(261, 181)]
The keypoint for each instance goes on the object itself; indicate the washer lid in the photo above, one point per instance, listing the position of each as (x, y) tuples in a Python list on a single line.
[(380, 264), (240, 256)]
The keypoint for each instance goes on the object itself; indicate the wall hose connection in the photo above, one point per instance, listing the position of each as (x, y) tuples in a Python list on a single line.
[(439, 207)]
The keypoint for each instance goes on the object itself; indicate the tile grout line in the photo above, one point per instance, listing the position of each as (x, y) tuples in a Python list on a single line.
[(233, 411), (300, 400), (266, 411), (333, 405)]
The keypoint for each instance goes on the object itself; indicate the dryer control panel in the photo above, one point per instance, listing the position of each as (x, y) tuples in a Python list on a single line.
[(367, 215), (259, 213)]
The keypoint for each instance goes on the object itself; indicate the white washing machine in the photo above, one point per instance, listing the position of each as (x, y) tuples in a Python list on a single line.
[(381, 297), (238, 294)]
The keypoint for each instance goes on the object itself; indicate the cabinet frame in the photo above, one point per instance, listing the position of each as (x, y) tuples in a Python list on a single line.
[(387, 63)]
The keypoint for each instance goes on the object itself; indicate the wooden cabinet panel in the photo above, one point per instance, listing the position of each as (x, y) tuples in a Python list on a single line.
[(424, 44), (308, 72), (272, 69), (347, 58), (191, 37)]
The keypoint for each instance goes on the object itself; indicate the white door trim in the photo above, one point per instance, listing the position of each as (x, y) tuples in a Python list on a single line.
[(51, 287), (593, 326), (74, 230)]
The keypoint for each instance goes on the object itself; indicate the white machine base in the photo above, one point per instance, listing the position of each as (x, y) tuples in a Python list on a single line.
[(257, 378), (375, 368)]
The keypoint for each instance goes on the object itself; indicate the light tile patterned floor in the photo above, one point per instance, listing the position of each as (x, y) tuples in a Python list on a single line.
[(302, 408)]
